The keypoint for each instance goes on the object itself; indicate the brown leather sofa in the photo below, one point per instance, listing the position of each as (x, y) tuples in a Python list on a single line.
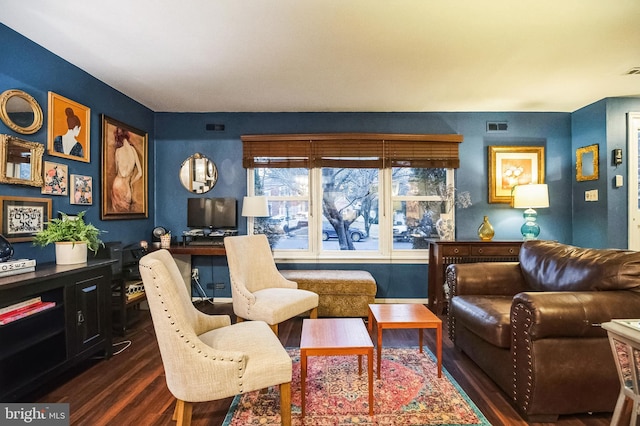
[(534, 325)]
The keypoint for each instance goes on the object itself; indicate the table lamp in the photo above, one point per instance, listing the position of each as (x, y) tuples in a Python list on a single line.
[(529, 197), (256, 206)]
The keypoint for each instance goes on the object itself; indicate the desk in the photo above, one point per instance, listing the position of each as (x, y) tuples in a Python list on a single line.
[(182, 255), (444, 253)]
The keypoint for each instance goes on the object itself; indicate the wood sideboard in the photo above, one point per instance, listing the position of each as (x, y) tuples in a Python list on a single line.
[(38, 347), (445, 253)]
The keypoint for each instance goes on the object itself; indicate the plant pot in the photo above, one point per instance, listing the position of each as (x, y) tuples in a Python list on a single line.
[(70, 253)]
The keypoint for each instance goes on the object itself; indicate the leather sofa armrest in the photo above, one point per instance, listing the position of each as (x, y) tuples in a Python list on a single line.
[(570, 314), (488, 278)]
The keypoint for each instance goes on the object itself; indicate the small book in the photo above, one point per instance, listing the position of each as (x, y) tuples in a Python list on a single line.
[(11, 265), (17, 271), (22, 304), (25, 312)]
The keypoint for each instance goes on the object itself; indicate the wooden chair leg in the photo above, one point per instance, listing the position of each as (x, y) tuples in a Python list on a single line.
[(182, 413), (314, 313), (274, 327), (285, 404)]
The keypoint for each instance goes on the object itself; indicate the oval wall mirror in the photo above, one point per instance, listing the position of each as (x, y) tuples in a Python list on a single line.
[(20, 111), (198, 174)]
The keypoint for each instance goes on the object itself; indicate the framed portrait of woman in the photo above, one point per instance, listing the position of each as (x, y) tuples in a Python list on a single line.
[(124, 171), (68, 129)]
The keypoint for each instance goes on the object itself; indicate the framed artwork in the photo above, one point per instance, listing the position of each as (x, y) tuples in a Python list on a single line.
[(513, 165), (81, 190), (124, 171), (21, 217), (68, 129), (587, 159), (55, 179)]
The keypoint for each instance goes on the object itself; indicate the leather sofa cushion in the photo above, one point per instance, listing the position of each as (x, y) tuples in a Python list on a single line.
[(551, 266), (486, 316)]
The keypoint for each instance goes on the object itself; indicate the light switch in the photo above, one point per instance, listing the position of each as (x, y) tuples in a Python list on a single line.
[(619, 181)]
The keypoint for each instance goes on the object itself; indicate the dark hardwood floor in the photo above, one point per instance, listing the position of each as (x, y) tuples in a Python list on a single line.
[(130, 388)]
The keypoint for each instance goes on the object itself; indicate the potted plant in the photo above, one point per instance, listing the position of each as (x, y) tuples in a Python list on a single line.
[(72, 237)]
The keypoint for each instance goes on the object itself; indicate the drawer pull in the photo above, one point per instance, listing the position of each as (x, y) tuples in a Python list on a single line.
[(480, 251), (456, 250)]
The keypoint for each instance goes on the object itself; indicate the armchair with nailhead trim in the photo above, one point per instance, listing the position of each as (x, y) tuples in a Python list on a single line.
[(206, 358)]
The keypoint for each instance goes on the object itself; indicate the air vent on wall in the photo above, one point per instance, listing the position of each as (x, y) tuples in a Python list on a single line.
[(497, 126), (215, 127)]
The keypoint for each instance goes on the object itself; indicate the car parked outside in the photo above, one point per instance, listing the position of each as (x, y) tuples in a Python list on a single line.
[(283, 223), (328, 232)]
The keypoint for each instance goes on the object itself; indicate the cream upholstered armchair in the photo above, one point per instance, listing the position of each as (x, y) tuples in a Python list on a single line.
[(205, 357), (258, 290)]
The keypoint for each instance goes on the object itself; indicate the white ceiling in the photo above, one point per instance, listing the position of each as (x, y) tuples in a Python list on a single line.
[(345, 55)]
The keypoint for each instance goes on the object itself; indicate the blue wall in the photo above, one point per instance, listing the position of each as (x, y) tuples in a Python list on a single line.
[(26, 66), (175, 136), (603, 223), (179, 135)]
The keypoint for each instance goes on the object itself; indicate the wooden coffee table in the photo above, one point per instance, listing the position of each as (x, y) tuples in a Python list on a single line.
[(405, 315), (335, 337)]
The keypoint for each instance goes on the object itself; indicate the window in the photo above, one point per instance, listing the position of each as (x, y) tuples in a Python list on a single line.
[(373, 196)]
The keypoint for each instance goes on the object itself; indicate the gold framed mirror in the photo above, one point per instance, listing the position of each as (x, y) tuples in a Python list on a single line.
[(20, 112), (198, 174), (587, 163), (20, 161)]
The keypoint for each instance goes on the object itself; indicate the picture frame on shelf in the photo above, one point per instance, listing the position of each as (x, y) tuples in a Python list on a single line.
[(124, 171), (81, 190), (22, 217), (587, 159), (513, 165), (68, 129), (55, 179)]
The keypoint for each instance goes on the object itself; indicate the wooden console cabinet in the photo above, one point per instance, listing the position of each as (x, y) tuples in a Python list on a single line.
[(444, 253), (36, 348)]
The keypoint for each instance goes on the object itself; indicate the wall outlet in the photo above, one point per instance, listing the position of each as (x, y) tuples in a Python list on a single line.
[(591, 195), (195, 273)]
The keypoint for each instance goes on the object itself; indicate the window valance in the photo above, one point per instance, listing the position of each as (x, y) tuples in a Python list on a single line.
[(355, 150)]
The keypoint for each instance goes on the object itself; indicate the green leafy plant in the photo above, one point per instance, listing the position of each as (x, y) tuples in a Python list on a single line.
[(70, 229)]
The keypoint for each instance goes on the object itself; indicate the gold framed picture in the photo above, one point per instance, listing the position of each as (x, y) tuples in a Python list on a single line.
[(587, 159), (513, 165), (22, 217), (68, 129), (124, 171)]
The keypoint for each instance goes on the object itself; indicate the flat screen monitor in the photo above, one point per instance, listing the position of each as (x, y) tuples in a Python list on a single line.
[(200, 213), (224, 213), (212, 213)]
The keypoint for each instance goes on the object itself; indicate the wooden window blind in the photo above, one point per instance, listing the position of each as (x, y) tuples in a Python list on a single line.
[(354, 150)]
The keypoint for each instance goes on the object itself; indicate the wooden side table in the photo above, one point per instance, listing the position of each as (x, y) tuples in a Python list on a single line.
[(333, 337), (445, 253), (405, 315), (624, 336)]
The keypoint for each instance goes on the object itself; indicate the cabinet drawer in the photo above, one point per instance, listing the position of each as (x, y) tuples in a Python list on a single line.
[(455, 251), (495, 250)]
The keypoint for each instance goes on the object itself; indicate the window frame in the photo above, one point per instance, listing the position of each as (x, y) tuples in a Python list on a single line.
[(350, 150)]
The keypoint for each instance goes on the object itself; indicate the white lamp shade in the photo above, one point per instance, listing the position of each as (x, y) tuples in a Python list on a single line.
[(531, 196), (255, 206)]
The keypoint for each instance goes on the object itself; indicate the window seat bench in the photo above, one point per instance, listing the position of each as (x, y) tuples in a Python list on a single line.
[(343, 293)]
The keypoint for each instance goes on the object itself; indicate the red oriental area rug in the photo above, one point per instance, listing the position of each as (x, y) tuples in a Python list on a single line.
[(408, 393)]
